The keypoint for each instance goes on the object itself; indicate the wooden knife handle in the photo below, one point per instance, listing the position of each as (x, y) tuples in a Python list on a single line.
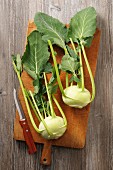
[(28, 136)]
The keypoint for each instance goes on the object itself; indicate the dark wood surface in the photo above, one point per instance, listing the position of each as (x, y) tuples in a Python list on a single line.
[(98, 152)]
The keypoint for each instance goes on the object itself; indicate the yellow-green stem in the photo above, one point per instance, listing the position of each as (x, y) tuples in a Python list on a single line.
[(90, 73), (67, 82), (81, 70), (56, 69), (43, 107), (42, 119), (49, 98), (32, 106), (73, 46), (72, 83), (60, 109), (82, 75), (65, 49), (25, 98)]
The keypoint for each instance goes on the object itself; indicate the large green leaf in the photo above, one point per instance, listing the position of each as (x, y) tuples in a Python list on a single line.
[(83, 24), (36, 54), (51, 28)]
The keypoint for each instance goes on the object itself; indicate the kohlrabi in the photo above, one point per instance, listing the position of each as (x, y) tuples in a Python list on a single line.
[(73, 94), (35, 62), (81, 30)]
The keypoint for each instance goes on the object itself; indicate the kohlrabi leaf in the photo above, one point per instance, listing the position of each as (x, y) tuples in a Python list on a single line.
[(36, 55), (38, 99), (88, 41), (72, 53), (30, 72), (48, 68), (18, 62), (83, 24), (51, 29), (52, 88), (74, 78), (69, 64), (36, 85)]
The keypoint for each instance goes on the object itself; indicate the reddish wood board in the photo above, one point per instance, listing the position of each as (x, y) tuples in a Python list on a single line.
[(77, 118)]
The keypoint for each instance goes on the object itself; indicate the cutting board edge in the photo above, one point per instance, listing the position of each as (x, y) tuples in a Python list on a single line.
[(83, 144)]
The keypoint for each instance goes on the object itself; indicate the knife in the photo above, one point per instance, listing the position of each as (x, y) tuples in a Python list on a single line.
[(23, 122)]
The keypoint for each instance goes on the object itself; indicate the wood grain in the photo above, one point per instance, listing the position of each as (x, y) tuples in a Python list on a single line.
[(98, 153)]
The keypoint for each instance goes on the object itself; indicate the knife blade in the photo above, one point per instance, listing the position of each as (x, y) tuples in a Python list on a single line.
[(18, 105), (23, 122)]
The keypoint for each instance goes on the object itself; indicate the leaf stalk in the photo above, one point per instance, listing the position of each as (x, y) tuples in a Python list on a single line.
[(56, 68), (90, 73), (81, 70), (60, 109), (41, 117), (49, 97), (67, 81), (25, 98)]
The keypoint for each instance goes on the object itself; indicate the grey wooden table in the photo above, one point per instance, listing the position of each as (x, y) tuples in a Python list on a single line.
[(98, 152)]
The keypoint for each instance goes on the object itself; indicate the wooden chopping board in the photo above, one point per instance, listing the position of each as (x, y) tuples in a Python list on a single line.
[(77, 118)]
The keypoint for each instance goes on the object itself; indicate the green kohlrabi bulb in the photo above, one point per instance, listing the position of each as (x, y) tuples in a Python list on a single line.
[(76, 97), (55, 125)]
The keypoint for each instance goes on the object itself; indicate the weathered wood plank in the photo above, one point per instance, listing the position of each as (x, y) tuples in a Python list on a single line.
[(98, 153)]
